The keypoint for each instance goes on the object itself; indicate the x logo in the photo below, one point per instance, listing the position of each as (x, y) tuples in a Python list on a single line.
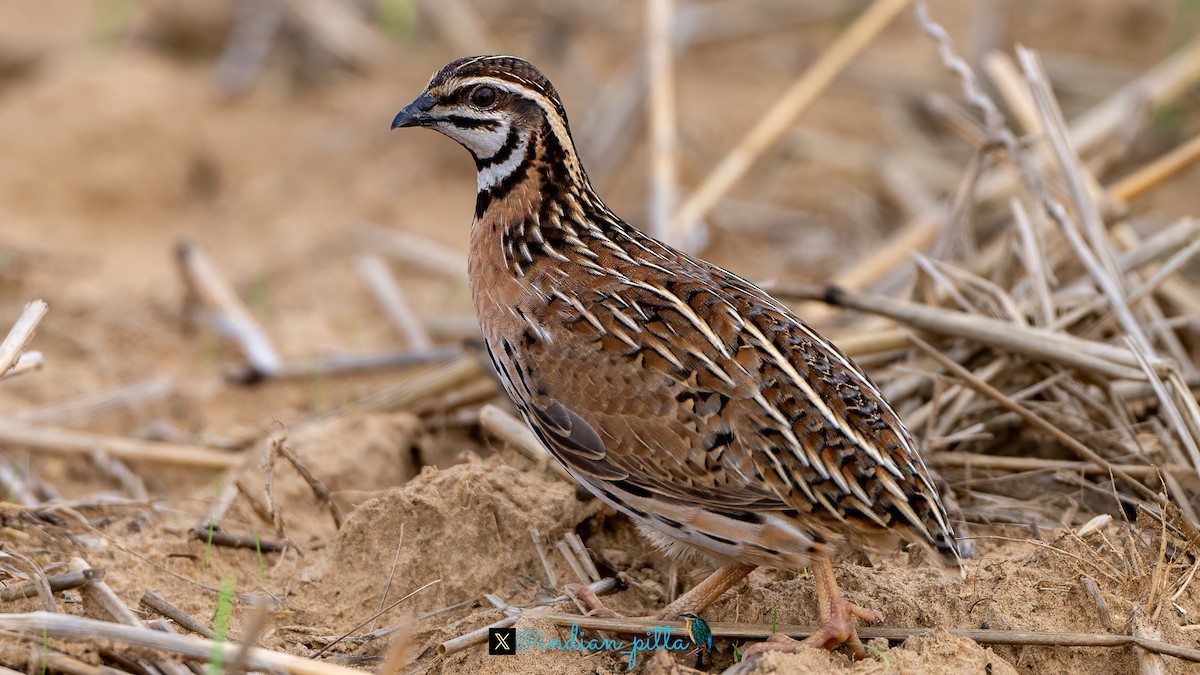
[(502, 641)]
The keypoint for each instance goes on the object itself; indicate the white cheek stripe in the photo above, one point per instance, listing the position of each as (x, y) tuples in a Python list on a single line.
[(481, 142), (556, 122), (490, 176)]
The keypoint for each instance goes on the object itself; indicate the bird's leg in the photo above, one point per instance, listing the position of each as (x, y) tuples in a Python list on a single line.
[(592, 604), (837, 618), (695, 601), (707, 592)]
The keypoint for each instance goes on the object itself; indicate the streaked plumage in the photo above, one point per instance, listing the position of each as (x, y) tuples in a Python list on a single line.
[(677, 392)]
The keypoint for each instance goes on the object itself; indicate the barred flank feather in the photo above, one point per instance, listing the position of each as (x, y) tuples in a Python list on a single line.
[(676, 391)]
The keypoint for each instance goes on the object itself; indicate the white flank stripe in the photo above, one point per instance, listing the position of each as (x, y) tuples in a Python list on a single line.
[(624, 318), (682, 307), (786, 429), (819, 404)]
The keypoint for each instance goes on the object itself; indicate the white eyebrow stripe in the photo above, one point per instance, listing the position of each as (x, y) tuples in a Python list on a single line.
[(558, 125)]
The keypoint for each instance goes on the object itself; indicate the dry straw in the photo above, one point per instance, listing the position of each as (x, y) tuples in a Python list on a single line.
[(1032, 306), (1036, 307)]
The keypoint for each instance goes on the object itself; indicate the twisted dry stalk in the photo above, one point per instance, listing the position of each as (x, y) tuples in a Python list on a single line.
[(1074, 346), (1103, 326), (1059, 336)]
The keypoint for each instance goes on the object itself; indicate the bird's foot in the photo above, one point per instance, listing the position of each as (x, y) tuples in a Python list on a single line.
[(591, 602), (838, 629), (594, 606)]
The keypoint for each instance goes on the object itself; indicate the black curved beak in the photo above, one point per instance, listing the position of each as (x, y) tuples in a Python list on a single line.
[(416, 114)]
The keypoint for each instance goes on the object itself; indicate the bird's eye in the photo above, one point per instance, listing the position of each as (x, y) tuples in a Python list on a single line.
[(483, 97)]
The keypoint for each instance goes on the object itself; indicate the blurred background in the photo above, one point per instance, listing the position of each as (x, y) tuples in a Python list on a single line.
[(258, 129), (175, 172)]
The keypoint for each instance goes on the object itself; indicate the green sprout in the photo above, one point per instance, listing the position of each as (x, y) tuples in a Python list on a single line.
[(216, 662)]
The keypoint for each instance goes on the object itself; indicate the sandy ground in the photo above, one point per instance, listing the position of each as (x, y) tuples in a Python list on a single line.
[(114, 153)]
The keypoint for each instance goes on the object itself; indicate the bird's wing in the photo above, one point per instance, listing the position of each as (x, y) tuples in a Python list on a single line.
[(706, 391)]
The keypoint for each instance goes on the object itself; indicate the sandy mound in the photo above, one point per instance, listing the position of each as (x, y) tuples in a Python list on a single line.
[(941, 654), (467, 526)]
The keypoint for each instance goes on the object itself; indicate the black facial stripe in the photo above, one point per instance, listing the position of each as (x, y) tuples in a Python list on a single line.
[(465, 122), (499, 190), (484, 198), (505, 151)]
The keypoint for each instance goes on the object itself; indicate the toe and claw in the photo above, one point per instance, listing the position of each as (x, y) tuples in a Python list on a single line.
[(836, 613), (591, 603), (837, 630), (837, 619)]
